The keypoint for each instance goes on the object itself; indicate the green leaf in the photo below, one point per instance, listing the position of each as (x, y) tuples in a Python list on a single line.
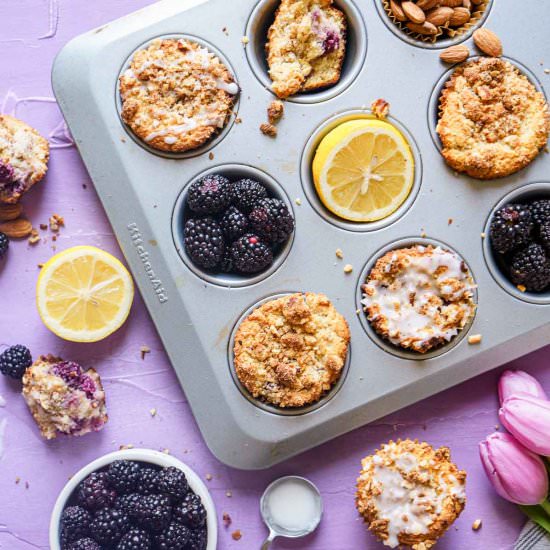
[(538, 515)]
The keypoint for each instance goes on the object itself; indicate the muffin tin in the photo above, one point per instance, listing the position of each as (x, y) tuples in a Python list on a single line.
[(143, 191)]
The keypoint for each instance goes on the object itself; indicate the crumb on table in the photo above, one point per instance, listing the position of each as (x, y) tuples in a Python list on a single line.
[(268, 129)]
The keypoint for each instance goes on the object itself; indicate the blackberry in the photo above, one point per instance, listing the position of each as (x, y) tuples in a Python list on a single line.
[(540, 211), (84, 544), (152, 512), (14, 361), (209, 195), (126, 503), (95, 493), (198, 540), (246, 193), (226, 265), (234, 224), (123, 475), (173, 482), (148, 481), (531, 268), (544, 235), (204, 242), (271, 219), (4, 244), (511, 227), (190, 511), (109, 525), (135, 539), (75, 523), (250, 255), (174, 537)]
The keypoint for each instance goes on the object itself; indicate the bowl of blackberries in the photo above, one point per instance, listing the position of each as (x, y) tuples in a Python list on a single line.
[(135, 499), (519, 241), (233, 225)]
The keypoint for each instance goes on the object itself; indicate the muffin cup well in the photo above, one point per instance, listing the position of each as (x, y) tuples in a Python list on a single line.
[(445, 37), (523, 194), (381, 342), (216, 138), (140, 455), (309, 186), (433, 104), (264, 405), (182, 213), (258, 24)]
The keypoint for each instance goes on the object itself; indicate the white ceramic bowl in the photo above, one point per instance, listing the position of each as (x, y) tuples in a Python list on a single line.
[(141, 455)]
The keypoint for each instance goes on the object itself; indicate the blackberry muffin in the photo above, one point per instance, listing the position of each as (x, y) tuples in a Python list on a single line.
[(306, 46), (409, 493), (176, 95), (24, 155), (492, 120), (419, 297), (291, 350), (63, 398)]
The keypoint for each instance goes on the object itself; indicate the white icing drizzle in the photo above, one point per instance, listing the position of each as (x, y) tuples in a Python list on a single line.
[(408, 304), (230, 87)]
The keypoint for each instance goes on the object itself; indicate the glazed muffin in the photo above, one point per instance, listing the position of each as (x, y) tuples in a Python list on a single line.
[(24, 155), (419, 297), (176, 95), (63, 398), (306, 46), (290, 351), (409, 493), (492, 120)]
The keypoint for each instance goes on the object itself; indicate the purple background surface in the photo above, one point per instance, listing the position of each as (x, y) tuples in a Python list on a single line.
[(32, 33)]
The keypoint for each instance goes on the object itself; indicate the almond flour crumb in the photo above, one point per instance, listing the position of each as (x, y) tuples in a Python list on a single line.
[(268, 129), (211, 155), (43, 226), (153, 412), (40, 266), (357, 311), (228, 494), (298, 201), (380, 108), (483, 235), (476, 525), (127, 446), (423, 234), (275, 111), (208, 477), (348, 268), (546, 71), (245, 40), (237, 535), (238, 120), (166, 451), (521, 288), (226, 519), (56, 221), (17, 480), (450, 221), (144, 351), (339, 253), (474, 339), (34, 237)]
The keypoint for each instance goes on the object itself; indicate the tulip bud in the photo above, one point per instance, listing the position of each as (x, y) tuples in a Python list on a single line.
[(514, 382), (517, 474), (528, 419)]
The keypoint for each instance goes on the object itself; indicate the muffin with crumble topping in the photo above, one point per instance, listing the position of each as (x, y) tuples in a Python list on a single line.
[(409, 493), (306, 46)]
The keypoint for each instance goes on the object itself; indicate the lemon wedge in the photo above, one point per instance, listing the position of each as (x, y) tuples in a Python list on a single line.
[(84, 294), (363, 170)]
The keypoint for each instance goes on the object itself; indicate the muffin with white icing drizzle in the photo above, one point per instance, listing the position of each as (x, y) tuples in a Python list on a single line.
[(176, 94), (419, 297), (409, 493)]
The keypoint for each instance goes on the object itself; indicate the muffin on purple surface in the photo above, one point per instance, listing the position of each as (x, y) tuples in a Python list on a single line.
[(24, 155), (64, 398)]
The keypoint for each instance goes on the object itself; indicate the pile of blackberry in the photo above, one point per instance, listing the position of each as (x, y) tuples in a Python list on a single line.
[(134, 506), (520, 235), (235, 227)]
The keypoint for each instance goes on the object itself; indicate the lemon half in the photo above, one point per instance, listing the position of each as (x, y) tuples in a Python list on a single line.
[(363, 170), (84, 294)]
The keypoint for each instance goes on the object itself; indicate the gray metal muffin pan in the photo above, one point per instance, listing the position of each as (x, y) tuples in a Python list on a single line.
[(195, 315)]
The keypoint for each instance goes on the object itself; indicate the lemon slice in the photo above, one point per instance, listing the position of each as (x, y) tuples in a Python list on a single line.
[(363, 170), (84, 294)]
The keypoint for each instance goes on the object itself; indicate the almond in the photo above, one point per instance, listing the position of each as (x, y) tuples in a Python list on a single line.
[(467, 4), (16, 229), (488, 42), (439, 16), (426, 28), (413, 12), (451, 3), (454, 54), (460, 17), (478, 2), (398, 13), (427, 4), (9, 212)]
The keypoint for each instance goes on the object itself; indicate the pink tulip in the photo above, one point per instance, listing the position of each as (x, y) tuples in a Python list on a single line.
[(517, 474), (514, 382), (528, 419)]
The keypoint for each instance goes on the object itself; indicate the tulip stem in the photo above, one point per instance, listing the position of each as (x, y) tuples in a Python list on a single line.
[(538, 514), (546, 506)]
